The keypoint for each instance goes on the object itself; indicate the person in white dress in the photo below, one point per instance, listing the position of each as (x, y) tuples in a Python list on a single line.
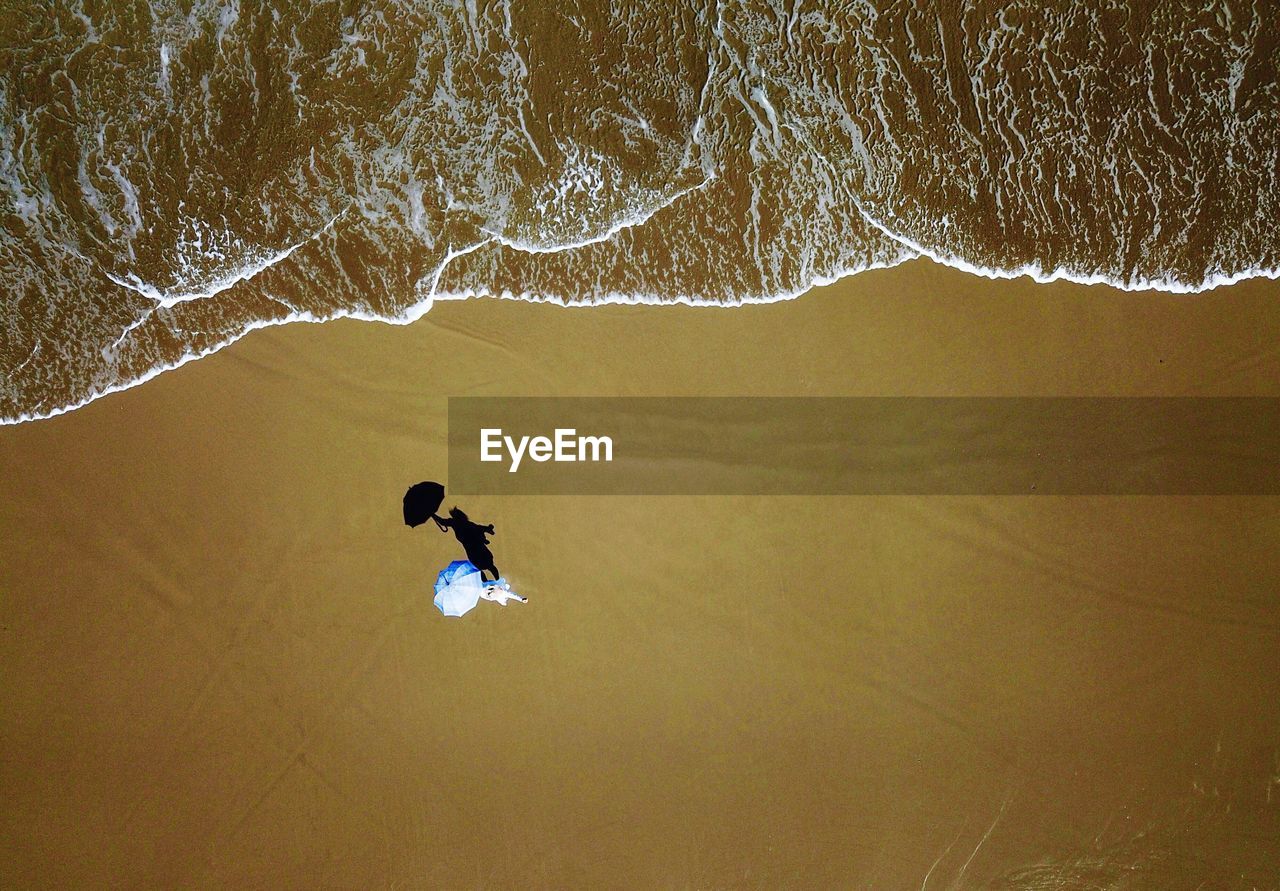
[(500, 592)]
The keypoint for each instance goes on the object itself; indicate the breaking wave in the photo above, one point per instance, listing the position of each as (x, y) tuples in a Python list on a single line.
[(176, 174)]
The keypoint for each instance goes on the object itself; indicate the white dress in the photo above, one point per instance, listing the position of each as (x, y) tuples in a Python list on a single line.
[(500, 592)]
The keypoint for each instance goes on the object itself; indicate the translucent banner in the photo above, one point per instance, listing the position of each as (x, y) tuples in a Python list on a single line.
[(864, 446)]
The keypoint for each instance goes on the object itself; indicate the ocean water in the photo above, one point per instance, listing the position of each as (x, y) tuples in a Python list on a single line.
[(175, 174)]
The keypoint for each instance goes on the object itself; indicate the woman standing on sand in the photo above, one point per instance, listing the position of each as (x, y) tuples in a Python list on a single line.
[(500, 593)]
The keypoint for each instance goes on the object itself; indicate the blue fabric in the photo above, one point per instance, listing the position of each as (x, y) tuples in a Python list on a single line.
[(458, 588)]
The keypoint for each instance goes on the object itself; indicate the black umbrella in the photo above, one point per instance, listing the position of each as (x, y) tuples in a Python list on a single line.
[(421, 502)]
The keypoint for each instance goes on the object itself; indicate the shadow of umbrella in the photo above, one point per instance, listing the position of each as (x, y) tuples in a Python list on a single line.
[(421, 503)]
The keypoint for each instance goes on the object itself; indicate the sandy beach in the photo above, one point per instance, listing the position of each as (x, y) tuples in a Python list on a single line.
[(221, 666)]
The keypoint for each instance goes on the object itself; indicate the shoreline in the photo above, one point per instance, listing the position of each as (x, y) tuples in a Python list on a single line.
[(1032, 274)]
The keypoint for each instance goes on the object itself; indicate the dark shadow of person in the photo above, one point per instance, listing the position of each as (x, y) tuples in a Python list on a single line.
[(472, 537)]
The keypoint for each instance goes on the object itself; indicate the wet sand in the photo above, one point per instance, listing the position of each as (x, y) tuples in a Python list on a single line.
[(221, 666)]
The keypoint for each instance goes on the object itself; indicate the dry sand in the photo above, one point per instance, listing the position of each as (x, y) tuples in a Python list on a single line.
[(221, 666)]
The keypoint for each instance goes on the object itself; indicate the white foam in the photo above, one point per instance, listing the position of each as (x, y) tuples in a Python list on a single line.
[(910, 249), (163, 82), (419, 309), (227, 18), (638, 218), (580, 207), (167, 299), (92, 196), (1039, 274)]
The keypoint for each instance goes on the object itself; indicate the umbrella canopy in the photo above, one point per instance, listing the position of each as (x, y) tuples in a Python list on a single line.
[(421, 502), (458, 588)]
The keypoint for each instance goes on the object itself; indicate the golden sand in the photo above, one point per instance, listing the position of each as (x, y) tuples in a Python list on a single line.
[(221, 665)]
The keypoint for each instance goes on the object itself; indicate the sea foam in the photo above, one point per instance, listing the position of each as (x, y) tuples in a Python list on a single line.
[(254, 166)]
